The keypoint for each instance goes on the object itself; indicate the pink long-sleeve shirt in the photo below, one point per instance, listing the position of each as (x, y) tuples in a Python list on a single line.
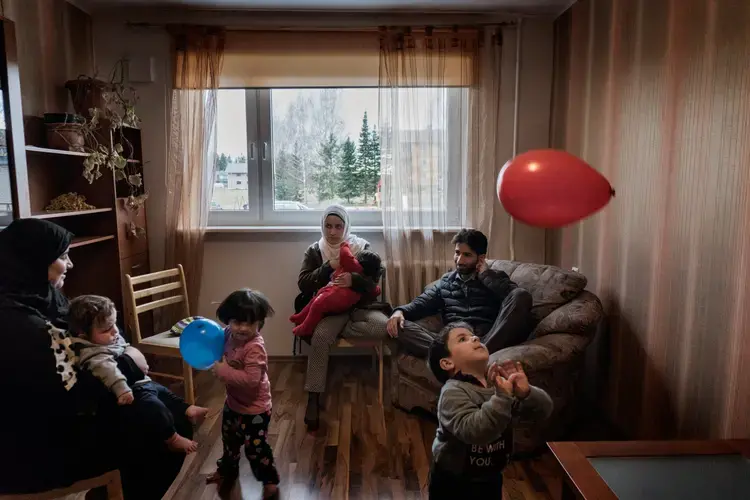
[(246, 375)]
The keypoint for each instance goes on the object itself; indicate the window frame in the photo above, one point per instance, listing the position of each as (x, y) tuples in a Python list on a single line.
[(261, 194)]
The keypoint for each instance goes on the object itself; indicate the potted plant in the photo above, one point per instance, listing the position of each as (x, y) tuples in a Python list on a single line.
[(64, 131), (107, 109)]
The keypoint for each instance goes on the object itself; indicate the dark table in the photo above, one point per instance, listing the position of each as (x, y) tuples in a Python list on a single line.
[(655, 470)]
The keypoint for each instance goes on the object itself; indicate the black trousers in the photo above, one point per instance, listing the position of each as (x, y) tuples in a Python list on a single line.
[(447, 486), (511, 327), (146, 465), (155, 409), (238, 429), (95, 441)]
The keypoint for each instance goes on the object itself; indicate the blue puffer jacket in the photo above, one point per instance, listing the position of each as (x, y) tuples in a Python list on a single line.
[(476, 301)]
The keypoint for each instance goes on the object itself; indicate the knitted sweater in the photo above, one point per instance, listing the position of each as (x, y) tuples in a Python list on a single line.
[(245, 374), (474, 437)]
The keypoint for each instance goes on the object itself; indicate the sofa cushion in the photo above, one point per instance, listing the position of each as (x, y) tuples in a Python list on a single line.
[(549, 286)]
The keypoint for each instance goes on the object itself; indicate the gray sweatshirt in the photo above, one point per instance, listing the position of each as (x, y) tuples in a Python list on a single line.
[(475, 437), (101, 360)]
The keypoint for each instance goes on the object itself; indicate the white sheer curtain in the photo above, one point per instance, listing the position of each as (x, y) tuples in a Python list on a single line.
[(439, 113), (192, 149)]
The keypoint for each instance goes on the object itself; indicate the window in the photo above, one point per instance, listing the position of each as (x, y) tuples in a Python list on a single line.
[(300, 130), (283, 155)]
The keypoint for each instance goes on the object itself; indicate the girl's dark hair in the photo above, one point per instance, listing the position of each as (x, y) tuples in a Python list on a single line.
[(87, 312), (245, 305), (439, 350), (371, 265)]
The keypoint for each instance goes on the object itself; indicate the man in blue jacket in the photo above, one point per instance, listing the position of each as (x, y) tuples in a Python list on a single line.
[(497, 309)]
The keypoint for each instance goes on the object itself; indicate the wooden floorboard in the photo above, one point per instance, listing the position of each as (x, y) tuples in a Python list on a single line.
[(361, 451)]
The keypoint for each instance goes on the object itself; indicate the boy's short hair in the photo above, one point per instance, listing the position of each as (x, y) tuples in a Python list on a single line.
[(245, 305), (439, 350), (86, 312), (371, 265), (475, 239)]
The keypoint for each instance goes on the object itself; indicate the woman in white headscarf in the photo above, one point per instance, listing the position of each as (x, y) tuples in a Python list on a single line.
[(321, 259)]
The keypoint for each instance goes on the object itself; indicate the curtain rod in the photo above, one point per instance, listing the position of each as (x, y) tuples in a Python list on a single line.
[(373, 28), (332, 24)]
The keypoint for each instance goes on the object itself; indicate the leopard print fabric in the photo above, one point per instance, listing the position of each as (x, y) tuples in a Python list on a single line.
[(65, 358)]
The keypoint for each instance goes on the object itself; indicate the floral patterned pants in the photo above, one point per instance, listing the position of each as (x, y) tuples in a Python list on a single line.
[(251, 430)]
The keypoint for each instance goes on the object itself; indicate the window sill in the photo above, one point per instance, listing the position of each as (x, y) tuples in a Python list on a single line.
[(286, 229), (299, 229)]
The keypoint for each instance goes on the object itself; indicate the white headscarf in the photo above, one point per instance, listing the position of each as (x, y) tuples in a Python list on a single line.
[(331, 252)]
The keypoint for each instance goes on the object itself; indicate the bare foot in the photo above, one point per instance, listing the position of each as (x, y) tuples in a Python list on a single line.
[(223, 484), (196, 414), (270, 491), (181, 444)]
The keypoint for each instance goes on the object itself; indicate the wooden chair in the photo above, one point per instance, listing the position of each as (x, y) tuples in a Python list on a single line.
[(365, 342), (376, 344), (165, 343), (111, 480)]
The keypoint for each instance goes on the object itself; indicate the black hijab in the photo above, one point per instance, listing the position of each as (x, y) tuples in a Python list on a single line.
[(27, 248)]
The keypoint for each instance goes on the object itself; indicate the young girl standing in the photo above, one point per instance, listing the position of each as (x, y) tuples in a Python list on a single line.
[(247, 411)]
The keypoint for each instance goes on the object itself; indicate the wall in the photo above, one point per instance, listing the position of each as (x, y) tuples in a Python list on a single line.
[(114, 41), (656, 95), (270, 261), (54, 45)]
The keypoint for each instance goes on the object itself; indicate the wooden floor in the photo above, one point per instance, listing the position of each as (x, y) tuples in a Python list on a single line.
[(360, 452)]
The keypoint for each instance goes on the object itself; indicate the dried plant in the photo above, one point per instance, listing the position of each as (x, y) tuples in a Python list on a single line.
[(108, 109)]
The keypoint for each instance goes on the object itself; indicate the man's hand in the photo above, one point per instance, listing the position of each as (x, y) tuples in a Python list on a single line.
[(344, 280), (499, 379), (395, 323), (125, 399), (517, 376)]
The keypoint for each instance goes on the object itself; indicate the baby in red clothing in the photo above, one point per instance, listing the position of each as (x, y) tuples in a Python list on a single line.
[(332, 299)]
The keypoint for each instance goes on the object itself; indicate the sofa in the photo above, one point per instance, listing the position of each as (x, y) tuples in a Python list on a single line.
[(566, 318)]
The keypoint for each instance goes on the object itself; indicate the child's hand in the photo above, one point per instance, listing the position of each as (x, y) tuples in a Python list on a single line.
[(125, 399), (499, 378), (219, 365), (518, 377)]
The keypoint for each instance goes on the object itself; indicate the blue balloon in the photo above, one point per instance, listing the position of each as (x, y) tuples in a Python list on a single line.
[(202, 343)]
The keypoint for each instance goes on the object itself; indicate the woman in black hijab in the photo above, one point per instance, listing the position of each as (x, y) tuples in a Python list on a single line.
[(58, 426)]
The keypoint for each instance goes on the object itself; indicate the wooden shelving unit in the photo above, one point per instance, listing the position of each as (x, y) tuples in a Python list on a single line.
[(50, 151), (60, 214), (104, 248), (90, 240)]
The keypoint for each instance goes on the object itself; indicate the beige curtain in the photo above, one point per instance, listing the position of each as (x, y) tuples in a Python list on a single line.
[(484, 143), (656, 95), (198, 56), (439, 112)]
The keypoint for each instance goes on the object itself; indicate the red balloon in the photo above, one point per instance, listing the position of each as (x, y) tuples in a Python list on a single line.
[(549, 188)]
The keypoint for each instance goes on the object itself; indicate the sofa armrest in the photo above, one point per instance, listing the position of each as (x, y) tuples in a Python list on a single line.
[(545, 352)]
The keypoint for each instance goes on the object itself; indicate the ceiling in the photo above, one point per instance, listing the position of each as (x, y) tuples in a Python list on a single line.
[(530, 7)]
